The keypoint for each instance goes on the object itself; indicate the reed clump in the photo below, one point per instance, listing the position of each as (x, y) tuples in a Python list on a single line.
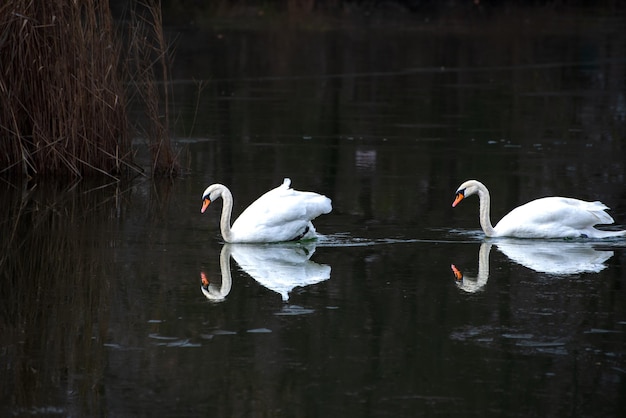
[(64, 90)]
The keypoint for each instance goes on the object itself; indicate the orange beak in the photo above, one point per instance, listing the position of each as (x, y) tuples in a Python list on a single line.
[(205, 204), (204, 279), (457, 273), (458, 198)]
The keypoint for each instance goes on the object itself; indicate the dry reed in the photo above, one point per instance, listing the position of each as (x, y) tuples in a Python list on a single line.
[(148, 61), (63, 91)]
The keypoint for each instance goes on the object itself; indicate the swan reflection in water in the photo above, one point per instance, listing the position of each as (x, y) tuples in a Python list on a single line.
[(551, 257), (217, 292), (474, 284), (278, 267)]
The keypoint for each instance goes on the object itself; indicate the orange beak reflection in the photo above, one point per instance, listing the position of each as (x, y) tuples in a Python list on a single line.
[(457, 273), (205, 204), (457, 199)]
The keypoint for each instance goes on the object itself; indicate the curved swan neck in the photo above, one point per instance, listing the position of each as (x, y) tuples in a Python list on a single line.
[(484, 211), (227, 209)]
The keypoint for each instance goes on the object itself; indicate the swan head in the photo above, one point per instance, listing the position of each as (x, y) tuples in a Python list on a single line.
[(212, 193), (466, 189)]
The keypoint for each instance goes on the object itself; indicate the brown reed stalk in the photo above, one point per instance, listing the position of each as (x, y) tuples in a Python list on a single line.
[(63, 91), (150, 54)]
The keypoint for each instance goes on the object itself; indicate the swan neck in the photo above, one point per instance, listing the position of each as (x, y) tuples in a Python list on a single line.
[(485, 209), (227, 209)]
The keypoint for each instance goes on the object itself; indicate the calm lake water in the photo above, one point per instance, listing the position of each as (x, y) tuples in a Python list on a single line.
[(102, 310)]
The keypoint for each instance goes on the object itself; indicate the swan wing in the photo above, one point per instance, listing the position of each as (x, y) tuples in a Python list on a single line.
[(554, 217), (281, 214)]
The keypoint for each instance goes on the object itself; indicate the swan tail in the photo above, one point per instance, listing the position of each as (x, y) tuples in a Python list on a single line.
[(604, 218), (598, 209), (326, 205)]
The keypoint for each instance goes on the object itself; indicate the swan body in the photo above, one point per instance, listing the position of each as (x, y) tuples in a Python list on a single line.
[(548, 217), (282, 214)]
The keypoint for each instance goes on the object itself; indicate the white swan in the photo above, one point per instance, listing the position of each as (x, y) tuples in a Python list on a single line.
[(548, 217), (280, 215)]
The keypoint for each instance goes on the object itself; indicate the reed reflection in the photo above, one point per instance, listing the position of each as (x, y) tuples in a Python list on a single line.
[(550, 257), (55, 307), (278, 267)]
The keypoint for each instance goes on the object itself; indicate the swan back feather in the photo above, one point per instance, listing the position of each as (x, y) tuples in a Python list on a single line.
[(281, 214)]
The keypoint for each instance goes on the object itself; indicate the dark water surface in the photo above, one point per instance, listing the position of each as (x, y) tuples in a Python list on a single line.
[(102, 311)]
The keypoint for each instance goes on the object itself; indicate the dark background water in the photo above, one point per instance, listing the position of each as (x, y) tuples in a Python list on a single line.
[(101, 307)]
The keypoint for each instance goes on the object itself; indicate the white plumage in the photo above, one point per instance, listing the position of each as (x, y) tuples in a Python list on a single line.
[(548, 217), (281, 214)]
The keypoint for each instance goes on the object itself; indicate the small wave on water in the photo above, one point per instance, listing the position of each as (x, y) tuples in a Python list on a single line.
[(345, 239), (473, 234)]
